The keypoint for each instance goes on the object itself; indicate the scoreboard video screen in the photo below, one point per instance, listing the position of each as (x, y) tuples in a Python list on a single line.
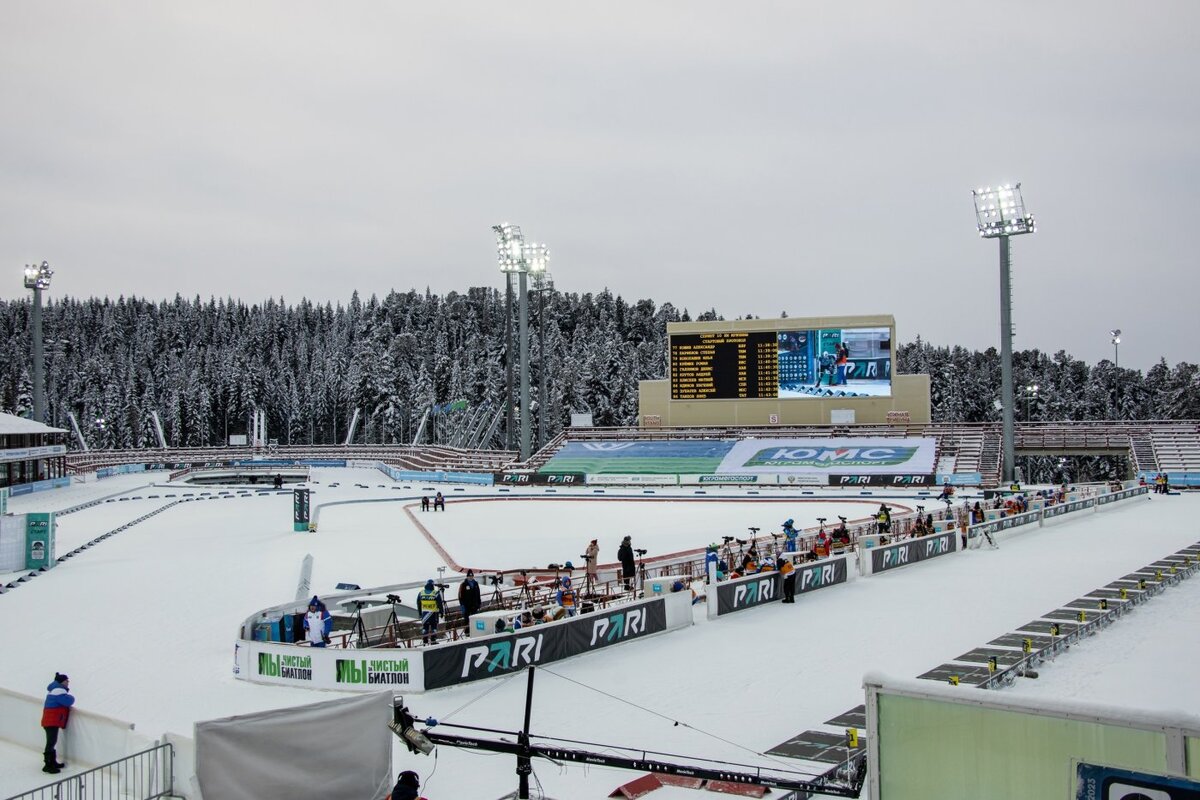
[(793, 363)]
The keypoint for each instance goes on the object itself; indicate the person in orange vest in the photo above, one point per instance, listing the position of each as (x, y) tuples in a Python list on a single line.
[(788, 571)]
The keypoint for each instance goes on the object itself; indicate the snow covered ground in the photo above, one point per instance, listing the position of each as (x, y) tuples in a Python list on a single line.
[(145, 622)]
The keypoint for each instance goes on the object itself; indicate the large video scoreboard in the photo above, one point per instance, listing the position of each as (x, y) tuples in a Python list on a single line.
[(785, 363), (728, 364)]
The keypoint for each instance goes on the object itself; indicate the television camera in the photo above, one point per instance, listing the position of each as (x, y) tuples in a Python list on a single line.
[(639, 551), (822, 520)]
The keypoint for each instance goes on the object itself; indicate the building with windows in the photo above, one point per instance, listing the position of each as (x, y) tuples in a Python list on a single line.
[(30, 454)]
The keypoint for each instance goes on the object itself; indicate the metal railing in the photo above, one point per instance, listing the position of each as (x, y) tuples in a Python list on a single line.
[(141, 776)]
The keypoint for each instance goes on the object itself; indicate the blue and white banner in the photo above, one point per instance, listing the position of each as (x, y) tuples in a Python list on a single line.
[(911, 456)]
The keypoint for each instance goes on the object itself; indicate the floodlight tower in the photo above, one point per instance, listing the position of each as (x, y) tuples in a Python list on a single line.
[(538, 257), (1000, 214), (37, 278), (511, 251), (1116, 343)]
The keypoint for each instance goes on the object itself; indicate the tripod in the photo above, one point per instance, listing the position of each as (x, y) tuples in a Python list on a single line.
[(360, 629)]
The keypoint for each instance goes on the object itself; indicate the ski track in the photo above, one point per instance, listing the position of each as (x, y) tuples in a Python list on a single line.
[(145, 622)]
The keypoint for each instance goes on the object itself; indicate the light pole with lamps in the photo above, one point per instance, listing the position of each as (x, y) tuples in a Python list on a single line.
[(514, 257), (508, 253), (538, 257), (1116, 343), (37, 278), (1000, 214), (1031, 396)]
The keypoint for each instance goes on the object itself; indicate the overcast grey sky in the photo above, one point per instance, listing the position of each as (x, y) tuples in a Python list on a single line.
[(813, 158)]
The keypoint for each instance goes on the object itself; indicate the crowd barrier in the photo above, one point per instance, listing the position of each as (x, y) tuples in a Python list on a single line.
[(435, 476), (452, 663), (89, 738), (120, 469), (751, 591), (38, 486), (976, 534)]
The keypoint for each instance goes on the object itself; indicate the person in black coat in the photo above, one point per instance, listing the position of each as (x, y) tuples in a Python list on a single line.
[(406, 786), (468, 597), (625, 556)]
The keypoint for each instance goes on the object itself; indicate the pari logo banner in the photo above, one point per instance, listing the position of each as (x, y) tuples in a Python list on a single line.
[(913, 456), (748, 592), (490, 656), (912, 551)]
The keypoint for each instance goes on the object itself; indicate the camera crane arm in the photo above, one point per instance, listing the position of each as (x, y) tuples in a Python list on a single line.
[(525, 751)]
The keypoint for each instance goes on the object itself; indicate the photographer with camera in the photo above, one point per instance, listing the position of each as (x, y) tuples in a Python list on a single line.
[(468, 597), (591, 558), (431, 607), (628, 567)]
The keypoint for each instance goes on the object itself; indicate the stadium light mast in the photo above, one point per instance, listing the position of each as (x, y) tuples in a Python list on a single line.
[(1000, 214), (37, 278), (538, 256), (1116, 343), (511, 252)]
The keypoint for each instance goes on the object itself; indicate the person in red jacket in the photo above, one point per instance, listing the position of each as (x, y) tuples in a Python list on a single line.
[(54, 717)]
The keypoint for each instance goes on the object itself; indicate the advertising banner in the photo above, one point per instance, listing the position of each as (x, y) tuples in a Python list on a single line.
[(327, 667), (821, 575), (725, 480), (477, 659), (1095, 782), (893, 556), (881, 480), (29, 453), (540, 479), (633, 480), (692, 456), (881, 456), (742, 593), (300, 509), (39, 540)]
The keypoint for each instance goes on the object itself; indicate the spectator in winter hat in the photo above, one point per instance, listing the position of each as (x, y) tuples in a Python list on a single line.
[(407, 784), (55, 712)]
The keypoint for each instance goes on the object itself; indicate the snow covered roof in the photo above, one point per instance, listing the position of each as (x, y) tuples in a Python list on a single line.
[(11, 425)]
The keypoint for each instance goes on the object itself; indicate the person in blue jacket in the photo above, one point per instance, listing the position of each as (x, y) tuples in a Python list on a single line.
[(790, 533), (317, 623), (567, 598), (55, 713)]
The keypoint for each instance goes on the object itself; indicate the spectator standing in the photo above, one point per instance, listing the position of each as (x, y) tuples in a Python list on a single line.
[(790, 534), (567, 598), (55, 712), (407, 784), (843, 360), (788, 571), (317, 623), (429, 603), (591, 557), (628, 567), (468, 597)]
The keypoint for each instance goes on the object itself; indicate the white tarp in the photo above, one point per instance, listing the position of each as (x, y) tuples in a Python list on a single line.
[(911, 456), (339, 748)]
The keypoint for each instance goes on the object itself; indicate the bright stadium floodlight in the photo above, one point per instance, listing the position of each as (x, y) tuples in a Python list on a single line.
[(1000, 214), (1116, 343), (37, 278)]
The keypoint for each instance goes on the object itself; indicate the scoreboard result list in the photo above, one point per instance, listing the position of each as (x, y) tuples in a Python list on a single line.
[(730, 365)]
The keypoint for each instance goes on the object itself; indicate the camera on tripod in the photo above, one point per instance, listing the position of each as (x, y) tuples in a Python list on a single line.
[(442, 586), (843, 519), (394, 598), (920, 509), (727, 539), (639, 551), (358, 604), (554, 566), (741, 541), (822, 520), (754, 531)]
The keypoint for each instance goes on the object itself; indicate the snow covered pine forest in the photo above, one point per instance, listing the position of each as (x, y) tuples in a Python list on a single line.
[(204, 365)]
